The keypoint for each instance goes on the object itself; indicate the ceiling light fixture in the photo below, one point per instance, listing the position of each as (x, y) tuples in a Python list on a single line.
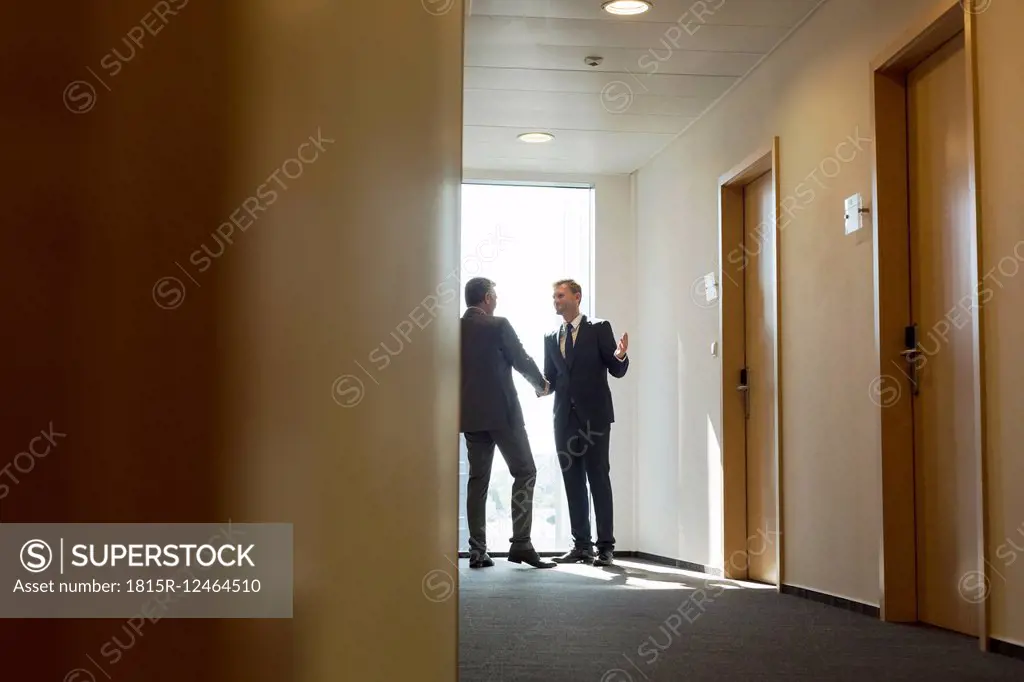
[(626, 7), (536, 137)]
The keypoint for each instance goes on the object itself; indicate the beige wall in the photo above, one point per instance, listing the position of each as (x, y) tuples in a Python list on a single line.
[(814, 93), (224, 404), (1001, 63)]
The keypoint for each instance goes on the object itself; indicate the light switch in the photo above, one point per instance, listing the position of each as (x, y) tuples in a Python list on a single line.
[(714, 349), (710, 287), (854, 212)]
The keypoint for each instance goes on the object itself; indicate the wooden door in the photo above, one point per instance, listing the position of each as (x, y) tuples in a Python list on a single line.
[(944, 411), (760, 339)]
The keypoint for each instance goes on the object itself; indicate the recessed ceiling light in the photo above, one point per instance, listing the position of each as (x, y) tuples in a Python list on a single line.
[(536, 137), (626, 7)]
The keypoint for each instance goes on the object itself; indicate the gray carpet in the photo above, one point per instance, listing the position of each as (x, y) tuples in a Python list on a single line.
[(638, 622)]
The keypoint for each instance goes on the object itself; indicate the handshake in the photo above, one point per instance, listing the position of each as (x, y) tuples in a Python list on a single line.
[(547, 389)]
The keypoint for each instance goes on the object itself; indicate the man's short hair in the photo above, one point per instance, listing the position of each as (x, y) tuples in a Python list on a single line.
[(573, 285), (477, 290)]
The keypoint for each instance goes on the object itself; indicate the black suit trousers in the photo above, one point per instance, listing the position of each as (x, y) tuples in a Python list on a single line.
[(514, 446), (583, 456)]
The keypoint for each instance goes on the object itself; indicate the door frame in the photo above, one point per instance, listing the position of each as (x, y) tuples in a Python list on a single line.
[(891, 229), (731, 332)]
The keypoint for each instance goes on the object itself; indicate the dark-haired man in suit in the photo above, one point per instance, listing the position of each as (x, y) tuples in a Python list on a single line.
[(578, 357), (492, 416)]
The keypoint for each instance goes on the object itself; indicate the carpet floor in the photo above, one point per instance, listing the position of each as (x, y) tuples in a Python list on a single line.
[(640, 622)]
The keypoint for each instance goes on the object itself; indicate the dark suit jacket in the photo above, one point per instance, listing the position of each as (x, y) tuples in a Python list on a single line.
[(490, 349), (585, 383)]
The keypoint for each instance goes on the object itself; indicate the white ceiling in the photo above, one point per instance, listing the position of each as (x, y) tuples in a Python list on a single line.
[(525, 71)]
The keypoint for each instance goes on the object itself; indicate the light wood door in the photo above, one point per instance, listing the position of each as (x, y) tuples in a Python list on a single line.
[(760, 337), (944, 431)]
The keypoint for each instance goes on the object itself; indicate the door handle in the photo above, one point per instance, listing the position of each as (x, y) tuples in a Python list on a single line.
[(744, 388), (910, 354)]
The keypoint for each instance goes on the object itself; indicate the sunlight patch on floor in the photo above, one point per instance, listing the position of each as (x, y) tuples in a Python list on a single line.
[(642, 584), (587, 571), (653, 568), (652, 577)]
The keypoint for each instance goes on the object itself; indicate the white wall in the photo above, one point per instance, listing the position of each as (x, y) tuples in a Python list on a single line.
[(614, 300), (814, 93)]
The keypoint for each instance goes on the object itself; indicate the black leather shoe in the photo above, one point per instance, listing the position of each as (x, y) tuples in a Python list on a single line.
[(576, 556), (528, 556), (605, 557), (480, 560)]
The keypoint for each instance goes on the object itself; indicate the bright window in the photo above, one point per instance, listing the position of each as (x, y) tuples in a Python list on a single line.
[(525, 238)]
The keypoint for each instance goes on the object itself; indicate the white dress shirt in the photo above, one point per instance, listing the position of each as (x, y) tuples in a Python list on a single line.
[(575, 332)]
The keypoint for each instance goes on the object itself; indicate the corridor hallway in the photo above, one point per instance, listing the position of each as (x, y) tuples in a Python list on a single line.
[(641, 622)]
